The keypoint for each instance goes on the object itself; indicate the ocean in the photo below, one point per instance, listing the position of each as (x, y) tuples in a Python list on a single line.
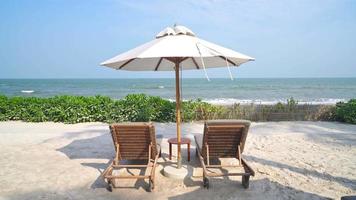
[(217, 91)]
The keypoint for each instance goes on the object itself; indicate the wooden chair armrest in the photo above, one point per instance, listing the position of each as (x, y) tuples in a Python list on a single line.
[(197, 144), (247, 167)]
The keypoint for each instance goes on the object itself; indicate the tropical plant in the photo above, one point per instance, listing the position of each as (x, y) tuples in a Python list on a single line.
[(346, 112)]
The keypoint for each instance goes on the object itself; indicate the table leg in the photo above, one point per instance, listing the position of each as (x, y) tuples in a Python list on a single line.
[(188, 152), (170, 151)]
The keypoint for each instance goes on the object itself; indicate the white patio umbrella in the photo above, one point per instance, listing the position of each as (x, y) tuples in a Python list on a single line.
[(174, 49)]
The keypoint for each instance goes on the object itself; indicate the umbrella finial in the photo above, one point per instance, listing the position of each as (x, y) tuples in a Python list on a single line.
[(182, 30), (165, 32), (176, 30)]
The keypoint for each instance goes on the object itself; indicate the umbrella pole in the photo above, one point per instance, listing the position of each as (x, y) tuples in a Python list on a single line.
[(178, 118)]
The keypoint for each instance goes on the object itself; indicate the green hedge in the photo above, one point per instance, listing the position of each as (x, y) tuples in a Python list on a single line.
[(346, 112), (75, 109), (140, 107)]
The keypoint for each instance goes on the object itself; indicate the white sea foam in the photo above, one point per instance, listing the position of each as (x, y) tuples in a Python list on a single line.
[(232, 101), (27, 91), (161, 87)]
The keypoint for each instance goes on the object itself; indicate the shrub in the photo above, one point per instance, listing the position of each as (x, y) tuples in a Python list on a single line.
[(141, 107), (323, 113), (76, 109), (199, 110), (346, 112)]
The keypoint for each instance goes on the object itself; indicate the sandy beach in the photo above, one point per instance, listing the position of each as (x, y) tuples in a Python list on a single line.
[(293, 160)]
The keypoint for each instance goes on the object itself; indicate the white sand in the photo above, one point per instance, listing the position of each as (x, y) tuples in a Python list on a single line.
[(293, 160)]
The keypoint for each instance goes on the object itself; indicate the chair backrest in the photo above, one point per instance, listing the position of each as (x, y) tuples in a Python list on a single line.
[(134, 139), (223, 138)]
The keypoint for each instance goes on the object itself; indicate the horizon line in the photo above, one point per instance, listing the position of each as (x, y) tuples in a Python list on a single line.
[(183, 78)]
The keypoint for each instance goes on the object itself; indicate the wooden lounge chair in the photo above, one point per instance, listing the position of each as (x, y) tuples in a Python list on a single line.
[(223, 139), (133, 142)]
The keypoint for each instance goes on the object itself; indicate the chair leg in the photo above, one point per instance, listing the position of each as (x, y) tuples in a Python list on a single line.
[(188, 152), (170, 151), (206, 182), (246, 181), (110, 186), (153, 181), (151, 186)]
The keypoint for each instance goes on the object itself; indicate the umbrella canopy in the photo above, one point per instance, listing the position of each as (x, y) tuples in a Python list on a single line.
[(176, 42), (174, 49)]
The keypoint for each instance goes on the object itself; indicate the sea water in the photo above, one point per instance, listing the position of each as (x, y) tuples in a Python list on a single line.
[(217, 91)]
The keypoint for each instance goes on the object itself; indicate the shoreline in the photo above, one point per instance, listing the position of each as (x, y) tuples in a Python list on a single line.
[(213, 101), (231, 101)]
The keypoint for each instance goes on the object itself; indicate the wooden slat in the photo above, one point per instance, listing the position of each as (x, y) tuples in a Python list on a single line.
[(225, 145), (133, 152), (130, 142), (228, 137), (226, 174), (227, 131), (225, 126), (222, 156), (143, 139), (222, 139), (233, 150), (134, 156), (130, 137), (222, 142), (133, 142), (230, 133), (132, 148), (133, 134), (216, 150), (216, 153), (142, 132), (127, 177), (131, 166), (218, 142), (219, 166), (133, 130), (224, 133), (137, 137)]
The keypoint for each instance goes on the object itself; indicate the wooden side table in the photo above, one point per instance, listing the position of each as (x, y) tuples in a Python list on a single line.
[(182, 141)]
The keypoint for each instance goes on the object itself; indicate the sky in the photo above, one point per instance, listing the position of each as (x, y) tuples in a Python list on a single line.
[(68, 39)]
